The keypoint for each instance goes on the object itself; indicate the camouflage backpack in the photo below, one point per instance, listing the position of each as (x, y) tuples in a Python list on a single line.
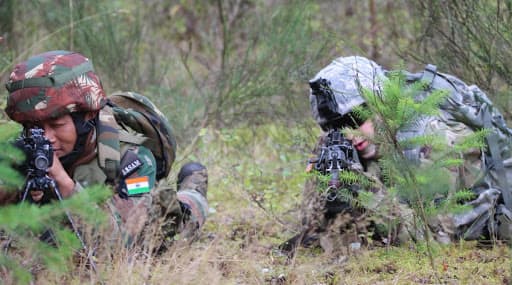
[(133, 118), (469, 105)]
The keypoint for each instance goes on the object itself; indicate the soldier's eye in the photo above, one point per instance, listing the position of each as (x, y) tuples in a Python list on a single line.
[(59, 122), (31, 126)]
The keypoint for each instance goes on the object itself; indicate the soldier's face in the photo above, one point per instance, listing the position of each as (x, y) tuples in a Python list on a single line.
[(62, 134), (362, 143)]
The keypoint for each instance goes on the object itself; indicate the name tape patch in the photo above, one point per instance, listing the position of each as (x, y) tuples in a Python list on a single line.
[(131, 167), (130, 163)]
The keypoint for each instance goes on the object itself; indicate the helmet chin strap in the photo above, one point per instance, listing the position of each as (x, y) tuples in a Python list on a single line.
[(83, 128)]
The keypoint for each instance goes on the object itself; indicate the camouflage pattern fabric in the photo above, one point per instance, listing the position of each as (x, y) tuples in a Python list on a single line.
[(192, 192), (131, 214), (109, 147), (138, 113), (52, 84), (158, 212), (466, 110), (192, 181), (353, 227), (394, 224), (489, 218), (135, 146), (347, 76), (157, 215), (154, 215)]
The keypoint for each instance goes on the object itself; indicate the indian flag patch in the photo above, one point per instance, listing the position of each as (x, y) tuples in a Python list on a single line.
[(137, 185)]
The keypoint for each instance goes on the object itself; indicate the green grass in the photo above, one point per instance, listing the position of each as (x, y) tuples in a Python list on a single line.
[(255, 185), (256, 180)]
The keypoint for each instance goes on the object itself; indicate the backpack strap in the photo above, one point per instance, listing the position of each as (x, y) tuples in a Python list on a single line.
[(109, 147), (125, 136), (110, 136), (496, 159), (429, 74)]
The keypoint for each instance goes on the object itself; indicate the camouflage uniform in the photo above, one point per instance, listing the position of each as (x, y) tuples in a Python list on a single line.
[(322, 224), (339, 228), (466, 110), (57, 83), (133, 216)]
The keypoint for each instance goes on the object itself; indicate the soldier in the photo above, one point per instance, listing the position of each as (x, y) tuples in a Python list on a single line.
[(334, 225), (59, 92)]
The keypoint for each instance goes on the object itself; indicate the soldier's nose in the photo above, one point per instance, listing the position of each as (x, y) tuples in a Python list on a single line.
[(49, 133)]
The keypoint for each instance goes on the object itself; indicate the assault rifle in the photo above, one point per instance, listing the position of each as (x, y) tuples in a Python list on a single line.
[(335, 155), (39, 158)]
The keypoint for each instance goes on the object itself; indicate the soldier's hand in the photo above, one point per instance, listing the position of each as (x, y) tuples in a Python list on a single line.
[(61, 177)]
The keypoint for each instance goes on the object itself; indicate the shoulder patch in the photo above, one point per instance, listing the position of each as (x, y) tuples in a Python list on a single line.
[(130, 163)]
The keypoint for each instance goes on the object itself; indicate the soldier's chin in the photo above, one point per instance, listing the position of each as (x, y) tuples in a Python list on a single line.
[(369, 152)]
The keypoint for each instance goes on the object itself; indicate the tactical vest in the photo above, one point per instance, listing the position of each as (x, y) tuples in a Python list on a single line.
[(470, 106)]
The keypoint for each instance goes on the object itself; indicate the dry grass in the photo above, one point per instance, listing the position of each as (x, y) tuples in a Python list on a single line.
[(254, 192)]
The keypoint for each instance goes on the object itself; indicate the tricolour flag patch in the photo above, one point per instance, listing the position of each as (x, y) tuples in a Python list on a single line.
[(137, 185)]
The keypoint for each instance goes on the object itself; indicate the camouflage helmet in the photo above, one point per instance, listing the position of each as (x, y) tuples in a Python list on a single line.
[(345, 76), (53, 84)]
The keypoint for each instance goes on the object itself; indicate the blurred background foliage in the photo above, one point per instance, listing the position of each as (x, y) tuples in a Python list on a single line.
[(243, 62), (231, 75)]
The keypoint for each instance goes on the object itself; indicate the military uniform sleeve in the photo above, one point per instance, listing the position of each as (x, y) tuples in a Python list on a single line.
[(131, 205), (147, 169)]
